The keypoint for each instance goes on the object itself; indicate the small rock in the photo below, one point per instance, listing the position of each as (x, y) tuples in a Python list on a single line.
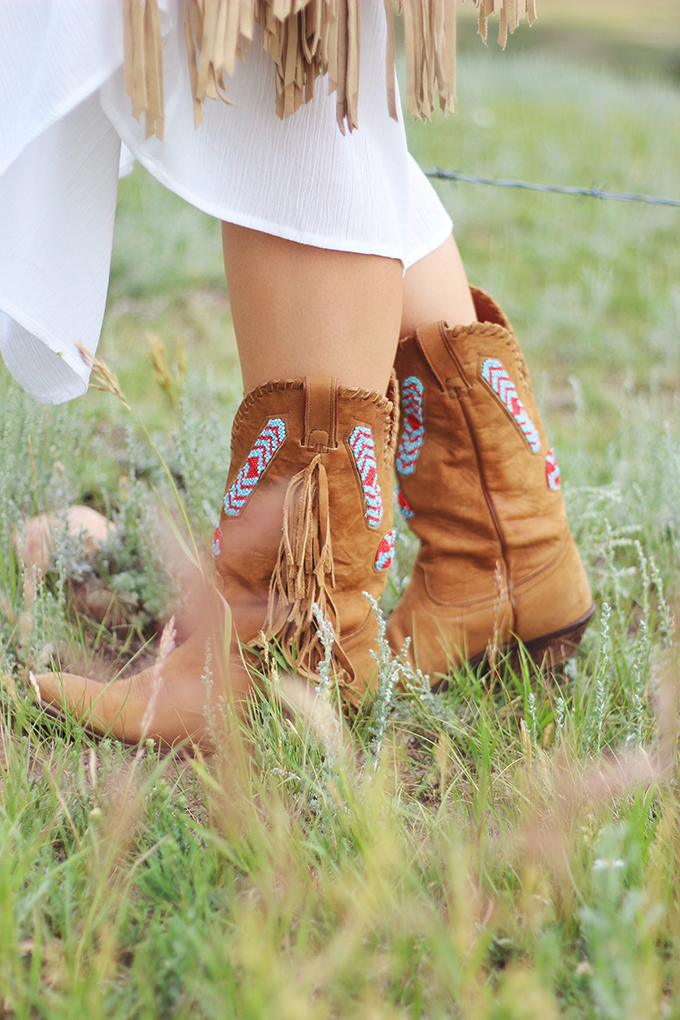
[(37, 541)]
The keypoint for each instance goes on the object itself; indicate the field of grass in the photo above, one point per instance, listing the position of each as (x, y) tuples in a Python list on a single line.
[(506, 850)]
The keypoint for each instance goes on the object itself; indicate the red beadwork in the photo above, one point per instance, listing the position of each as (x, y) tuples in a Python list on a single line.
[(385, 553), (552, 471)]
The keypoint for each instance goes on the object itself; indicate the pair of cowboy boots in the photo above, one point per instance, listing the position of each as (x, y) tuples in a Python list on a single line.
[(307, 519)]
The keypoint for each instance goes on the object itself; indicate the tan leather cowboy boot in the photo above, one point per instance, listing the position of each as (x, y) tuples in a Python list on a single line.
[(306, 517), (480, 487)]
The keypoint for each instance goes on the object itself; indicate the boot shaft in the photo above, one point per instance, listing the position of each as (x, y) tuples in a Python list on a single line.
[(307, 511), (441, 491), (486, 447)]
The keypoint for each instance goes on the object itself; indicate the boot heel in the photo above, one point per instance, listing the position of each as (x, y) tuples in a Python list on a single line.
[(552, 650)]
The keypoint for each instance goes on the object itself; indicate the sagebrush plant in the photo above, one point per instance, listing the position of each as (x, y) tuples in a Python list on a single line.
[(508, 847)]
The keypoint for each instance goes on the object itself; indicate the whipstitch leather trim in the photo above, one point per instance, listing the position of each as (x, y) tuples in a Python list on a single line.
[(265, 446), (217, 542), (385, 553), (502, 385), (363, 449), (404, 506), (414, 429), (552, 471)]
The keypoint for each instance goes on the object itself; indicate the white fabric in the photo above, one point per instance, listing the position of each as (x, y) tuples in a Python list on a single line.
[(56, 233), (60, 154)]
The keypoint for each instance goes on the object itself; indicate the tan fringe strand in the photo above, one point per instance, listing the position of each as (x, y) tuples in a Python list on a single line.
[(305, 39), (144, 63), (304, 571)]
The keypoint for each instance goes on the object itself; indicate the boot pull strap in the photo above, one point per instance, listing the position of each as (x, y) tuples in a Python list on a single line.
[(441, 357), (321, 400)]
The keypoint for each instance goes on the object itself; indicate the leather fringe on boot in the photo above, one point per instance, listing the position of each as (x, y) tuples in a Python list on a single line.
[(304, 570)]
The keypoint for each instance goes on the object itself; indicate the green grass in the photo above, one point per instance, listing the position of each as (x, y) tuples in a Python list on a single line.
[(512, 851)]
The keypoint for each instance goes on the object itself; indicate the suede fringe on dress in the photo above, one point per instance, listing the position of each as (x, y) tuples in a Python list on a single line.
[(305, 39)]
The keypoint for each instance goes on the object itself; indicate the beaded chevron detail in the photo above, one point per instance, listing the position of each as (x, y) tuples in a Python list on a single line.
[(502, 385), (385, 553), (404, 506), (552, 471), (217, 542), (414, 429), (265, 446), (363, 449)]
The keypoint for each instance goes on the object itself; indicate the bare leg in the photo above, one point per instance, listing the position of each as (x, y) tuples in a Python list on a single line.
[(305, 311), (436, 288)]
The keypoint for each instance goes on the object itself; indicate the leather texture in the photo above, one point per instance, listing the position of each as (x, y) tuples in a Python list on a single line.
[(296, 526), (497, 560)]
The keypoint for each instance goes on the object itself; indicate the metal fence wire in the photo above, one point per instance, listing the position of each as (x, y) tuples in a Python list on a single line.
[(555, 189)]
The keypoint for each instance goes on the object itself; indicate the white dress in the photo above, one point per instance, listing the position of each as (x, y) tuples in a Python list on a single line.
[(63, 115)]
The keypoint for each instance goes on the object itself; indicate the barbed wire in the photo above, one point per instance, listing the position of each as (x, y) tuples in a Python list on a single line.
[(618, 196)]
